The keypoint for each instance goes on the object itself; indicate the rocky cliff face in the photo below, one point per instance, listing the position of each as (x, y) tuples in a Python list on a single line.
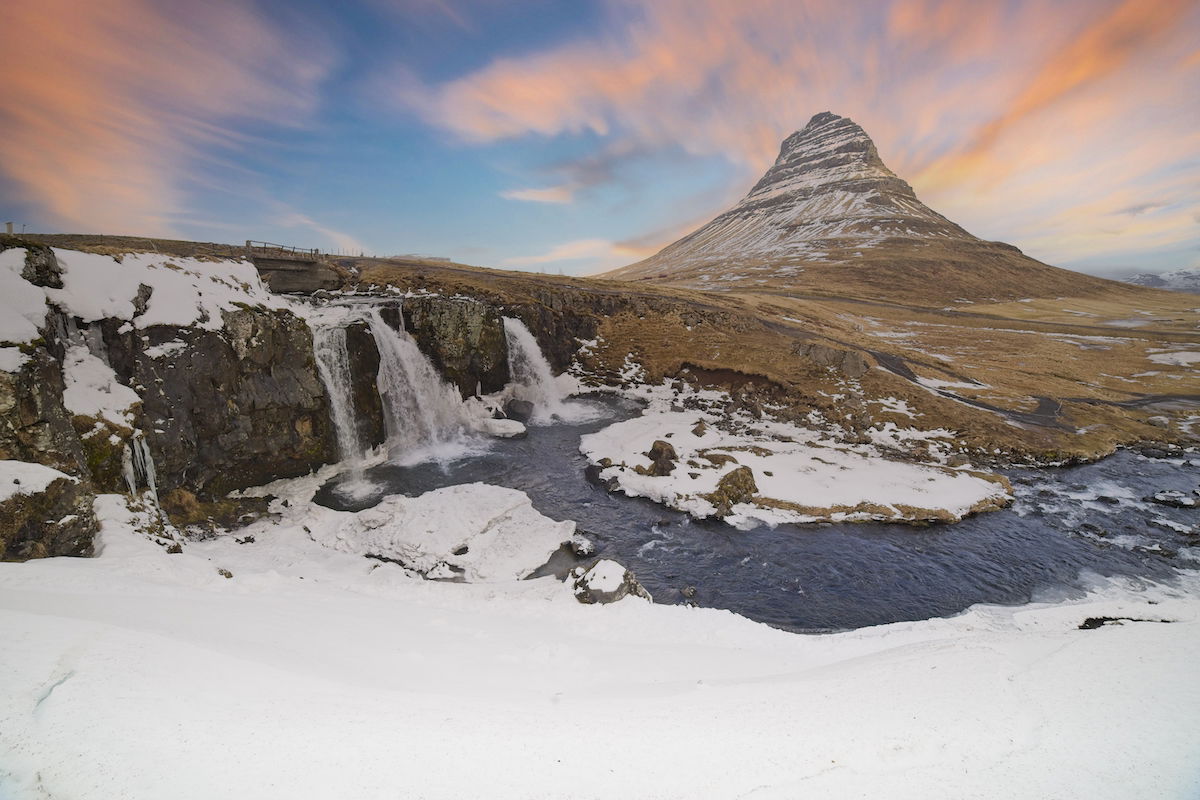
[(232, 408), (187, 362), (463, 338), (830, 216)]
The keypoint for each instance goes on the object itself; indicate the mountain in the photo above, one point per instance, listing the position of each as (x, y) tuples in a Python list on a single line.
[(830, 217), (1180, 280)]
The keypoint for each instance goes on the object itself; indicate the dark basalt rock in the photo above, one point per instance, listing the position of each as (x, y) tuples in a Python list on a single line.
[(520, 410), (237, 407), (364, 366), (463, 338), (55, 522)]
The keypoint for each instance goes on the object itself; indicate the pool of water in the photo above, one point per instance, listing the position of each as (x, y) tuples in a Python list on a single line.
[(1066, 525)]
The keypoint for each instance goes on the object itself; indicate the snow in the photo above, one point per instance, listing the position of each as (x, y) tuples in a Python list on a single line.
[(185, 291), (606, 576), (12, 359), (1178, 359), (481, 532), (22, 477), (22, 305), (791, 465), (317, 673), (92, 388)]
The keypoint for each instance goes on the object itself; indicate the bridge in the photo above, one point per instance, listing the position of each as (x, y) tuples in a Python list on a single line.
[(291, 269)]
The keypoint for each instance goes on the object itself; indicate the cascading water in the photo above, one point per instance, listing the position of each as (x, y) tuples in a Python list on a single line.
[(530, 372), (333, 363), (423, 413)]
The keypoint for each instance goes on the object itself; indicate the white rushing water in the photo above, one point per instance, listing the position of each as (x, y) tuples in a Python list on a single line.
[(333, 363), (423, 412), (530, 373)]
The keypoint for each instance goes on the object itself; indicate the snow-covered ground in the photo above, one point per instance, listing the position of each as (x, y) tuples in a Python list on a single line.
[(316, 672), (800, 474)]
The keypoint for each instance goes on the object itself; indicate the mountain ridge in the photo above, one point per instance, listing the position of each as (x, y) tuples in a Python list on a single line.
[(829, 215)]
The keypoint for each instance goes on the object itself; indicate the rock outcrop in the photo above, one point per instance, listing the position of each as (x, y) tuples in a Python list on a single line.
[(52, 518), (236, 407), (463, 338)]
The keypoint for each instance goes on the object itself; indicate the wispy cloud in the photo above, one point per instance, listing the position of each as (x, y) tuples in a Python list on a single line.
[(108, 108), (582, 255), (560, 195), (340, 239)]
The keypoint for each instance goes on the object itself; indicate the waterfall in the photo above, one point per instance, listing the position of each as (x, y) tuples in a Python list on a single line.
[(422, 411), (530, 372), (333, 364)]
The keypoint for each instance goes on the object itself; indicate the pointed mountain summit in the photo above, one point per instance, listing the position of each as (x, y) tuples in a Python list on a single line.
[(829, 217)]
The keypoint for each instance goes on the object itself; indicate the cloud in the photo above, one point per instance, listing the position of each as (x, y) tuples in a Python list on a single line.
[(600, 254), (551, 194), (108, 108), (342, 241), (1004, 116)]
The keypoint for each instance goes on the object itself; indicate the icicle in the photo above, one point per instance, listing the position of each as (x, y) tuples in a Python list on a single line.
[(137, 466)]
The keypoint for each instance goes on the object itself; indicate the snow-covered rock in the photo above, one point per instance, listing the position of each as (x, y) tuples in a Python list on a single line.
[(474, 531), (774, 472), (606, 581)]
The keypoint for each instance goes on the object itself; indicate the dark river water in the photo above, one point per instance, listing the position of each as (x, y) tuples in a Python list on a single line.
[(1067, 526)]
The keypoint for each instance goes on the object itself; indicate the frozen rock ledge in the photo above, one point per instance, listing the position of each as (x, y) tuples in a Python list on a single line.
[(473, 532)]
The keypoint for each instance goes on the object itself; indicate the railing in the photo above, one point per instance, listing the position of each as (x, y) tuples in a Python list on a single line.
[(281, 251)]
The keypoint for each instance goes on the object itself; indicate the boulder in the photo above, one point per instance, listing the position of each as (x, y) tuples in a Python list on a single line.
[(43, 513), (735, 487), (606, 581), (520, 410), (663, 458), (1174, 499)]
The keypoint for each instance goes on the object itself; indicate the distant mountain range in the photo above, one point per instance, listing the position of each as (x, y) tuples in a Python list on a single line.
[(830, 217), (1180, 280)]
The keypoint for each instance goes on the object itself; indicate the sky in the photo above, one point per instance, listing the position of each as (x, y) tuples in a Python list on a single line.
[(582, 135)]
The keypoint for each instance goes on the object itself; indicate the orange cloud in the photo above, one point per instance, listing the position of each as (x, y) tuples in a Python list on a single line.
[(106, 107), (1002, 115)]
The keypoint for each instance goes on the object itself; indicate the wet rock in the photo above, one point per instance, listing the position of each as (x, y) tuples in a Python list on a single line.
[(520, 410), (57, 521), (581, 545), (606, 581), (1174, 499), (1108, 500), (735, 487), (364, 394), (463, 338)]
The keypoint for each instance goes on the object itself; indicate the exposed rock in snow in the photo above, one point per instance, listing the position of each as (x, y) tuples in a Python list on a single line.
[(771, 472), (606, 581), (43, 512)]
